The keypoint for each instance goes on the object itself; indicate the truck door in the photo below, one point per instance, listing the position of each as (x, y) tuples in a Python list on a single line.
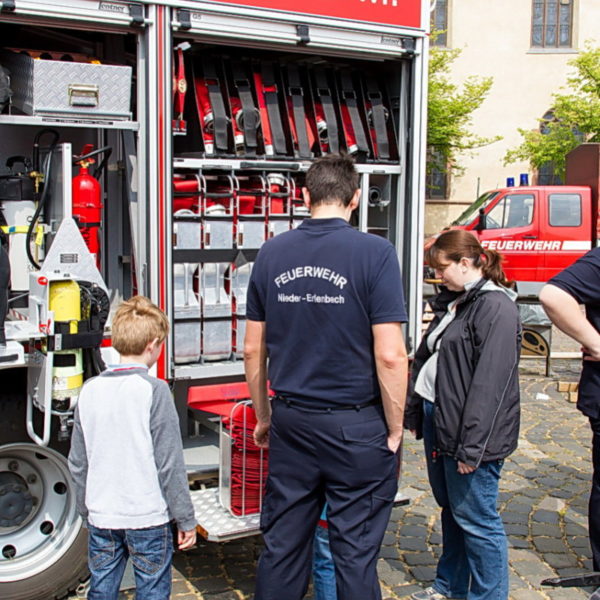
[(512, 228), (567, 229)]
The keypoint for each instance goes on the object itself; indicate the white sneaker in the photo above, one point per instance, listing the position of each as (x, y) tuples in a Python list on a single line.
[(428, 594)]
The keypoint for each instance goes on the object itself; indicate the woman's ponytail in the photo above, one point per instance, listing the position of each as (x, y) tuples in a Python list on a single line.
[(491, 265)]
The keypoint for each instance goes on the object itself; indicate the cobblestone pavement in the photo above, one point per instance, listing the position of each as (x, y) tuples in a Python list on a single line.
[(543, 498)]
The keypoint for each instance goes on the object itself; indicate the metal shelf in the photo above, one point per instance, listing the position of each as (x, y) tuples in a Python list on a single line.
[(235, 164), (68, 121), (210, 370)]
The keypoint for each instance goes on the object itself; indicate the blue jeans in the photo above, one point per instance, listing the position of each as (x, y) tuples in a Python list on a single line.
[(323, 567), (150, 551), (474, 560)]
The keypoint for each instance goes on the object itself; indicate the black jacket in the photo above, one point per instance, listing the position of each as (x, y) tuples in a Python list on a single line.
[(477, 384)]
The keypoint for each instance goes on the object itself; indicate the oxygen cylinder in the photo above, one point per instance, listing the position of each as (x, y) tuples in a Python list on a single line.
[(64, 300)]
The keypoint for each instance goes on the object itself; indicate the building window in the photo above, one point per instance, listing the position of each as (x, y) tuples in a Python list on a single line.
[(552, 24), (439, 23), (436, 182)]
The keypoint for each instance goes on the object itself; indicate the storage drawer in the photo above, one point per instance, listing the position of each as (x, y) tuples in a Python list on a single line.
[(59, 88)]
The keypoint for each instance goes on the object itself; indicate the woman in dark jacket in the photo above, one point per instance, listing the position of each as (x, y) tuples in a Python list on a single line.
[(464, 402)]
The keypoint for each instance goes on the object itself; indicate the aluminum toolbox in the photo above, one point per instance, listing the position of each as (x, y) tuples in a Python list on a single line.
[(59, 88)]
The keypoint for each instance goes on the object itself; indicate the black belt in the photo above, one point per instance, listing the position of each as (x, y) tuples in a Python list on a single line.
[(327, 409)]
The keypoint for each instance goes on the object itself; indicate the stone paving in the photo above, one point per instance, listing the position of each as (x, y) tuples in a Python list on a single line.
[(543, 499)]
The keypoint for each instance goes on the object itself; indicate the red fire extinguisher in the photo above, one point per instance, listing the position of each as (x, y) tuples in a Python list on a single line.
[(87, 198)]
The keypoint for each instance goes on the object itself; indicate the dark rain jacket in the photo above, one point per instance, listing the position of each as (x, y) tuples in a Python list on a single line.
[(477, 411)]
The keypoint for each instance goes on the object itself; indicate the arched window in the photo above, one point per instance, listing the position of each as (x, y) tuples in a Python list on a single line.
[(547, 172)]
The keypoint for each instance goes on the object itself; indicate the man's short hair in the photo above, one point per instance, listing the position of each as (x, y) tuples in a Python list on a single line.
[(332, 179), (136, 323)]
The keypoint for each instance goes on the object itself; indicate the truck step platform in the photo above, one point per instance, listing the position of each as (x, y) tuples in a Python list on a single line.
[(217, 524)]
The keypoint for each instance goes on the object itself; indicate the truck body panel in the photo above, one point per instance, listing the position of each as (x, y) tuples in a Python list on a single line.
[(360, 66)]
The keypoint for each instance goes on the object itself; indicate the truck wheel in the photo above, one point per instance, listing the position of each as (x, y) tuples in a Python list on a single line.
[(43, 547)]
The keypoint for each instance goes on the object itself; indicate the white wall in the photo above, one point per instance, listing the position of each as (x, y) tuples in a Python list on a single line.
[(495, 41)]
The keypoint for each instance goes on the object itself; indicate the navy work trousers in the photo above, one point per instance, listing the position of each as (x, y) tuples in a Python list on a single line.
[(594, 506), (315, 456)]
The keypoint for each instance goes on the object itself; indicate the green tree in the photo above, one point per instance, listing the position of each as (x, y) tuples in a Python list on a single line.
[(575, 118), (450, 112)]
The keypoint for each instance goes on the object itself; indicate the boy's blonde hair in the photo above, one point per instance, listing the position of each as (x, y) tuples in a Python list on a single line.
[(136, 323)]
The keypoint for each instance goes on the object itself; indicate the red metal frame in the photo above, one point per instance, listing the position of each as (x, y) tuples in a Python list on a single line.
[(161, 364), (402, 13)]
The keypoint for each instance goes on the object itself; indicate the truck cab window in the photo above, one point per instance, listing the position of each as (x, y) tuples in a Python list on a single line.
[(514, 210), (565, 210), (472, 212)]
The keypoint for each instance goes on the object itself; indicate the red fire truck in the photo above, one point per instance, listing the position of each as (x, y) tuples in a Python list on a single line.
[(540, 230), (151, 147)]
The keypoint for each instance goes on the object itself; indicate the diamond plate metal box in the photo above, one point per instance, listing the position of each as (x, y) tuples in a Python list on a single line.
[(57, 88)]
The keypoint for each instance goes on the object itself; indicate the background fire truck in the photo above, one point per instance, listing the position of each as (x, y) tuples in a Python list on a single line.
[(151, 147), (540, 230)]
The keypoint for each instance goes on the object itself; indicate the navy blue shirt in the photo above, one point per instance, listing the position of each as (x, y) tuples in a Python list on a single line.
[(320, 288), (582, 281)]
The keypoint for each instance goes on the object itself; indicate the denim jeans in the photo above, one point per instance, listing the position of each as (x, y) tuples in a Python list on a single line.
[(323, 566), (474, 560), (150, 551)]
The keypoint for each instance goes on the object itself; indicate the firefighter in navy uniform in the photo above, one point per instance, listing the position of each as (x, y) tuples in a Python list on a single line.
[(325, 306)]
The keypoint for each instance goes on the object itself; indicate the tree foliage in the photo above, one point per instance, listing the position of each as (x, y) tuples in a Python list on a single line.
[(575, 118), (450, 112)]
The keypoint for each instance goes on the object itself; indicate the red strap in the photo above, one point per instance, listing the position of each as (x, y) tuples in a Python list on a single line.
[(181, 85)]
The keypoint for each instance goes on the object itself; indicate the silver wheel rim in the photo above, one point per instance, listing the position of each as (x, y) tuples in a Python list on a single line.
[(51, 528)]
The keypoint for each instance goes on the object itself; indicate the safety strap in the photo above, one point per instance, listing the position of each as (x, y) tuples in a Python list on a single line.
[(271, 95), (215, 94), (349, 97), (39, 231), (250, 121), (378, 117), (326, 98), (297, 95)]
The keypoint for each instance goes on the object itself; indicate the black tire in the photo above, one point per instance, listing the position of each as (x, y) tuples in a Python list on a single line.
[(62, 578), (64, 575)]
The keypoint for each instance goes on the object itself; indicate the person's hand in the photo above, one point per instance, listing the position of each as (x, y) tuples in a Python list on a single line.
[(261, 434), (591, 354), (464, 469), (186, 539), (393, 441), (414, 432)]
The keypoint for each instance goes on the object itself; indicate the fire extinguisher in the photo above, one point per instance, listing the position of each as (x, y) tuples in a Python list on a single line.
[(87, 197)]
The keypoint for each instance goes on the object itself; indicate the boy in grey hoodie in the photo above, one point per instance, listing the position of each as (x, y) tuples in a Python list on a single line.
[(127, 465)]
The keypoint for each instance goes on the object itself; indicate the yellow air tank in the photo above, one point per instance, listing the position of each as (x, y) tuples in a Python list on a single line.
[(67, 368)]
